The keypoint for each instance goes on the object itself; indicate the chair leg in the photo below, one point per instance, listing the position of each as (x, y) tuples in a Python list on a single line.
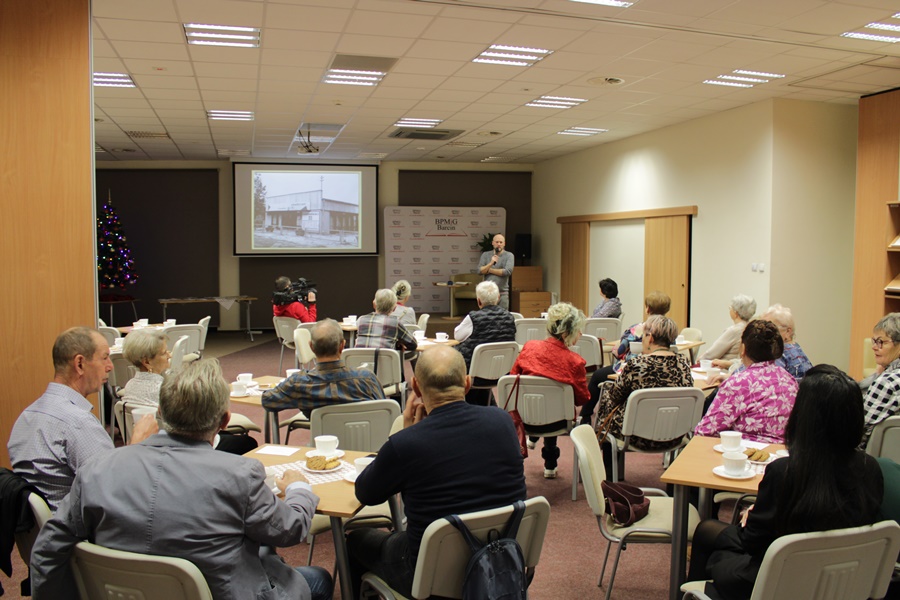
[(281, 360), (612, 576), (287, 439), (312, 545), (605, 559), (575, 477)]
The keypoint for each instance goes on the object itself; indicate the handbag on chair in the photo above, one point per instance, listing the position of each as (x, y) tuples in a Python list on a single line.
[(517, 418), (625, 503)]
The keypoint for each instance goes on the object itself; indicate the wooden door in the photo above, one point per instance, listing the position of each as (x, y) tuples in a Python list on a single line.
[(667, 262), (575, 264)]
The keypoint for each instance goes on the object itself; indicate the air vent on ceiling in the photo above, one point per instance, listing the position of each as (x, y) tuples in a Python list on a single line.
[(407, 133), (148, 135)]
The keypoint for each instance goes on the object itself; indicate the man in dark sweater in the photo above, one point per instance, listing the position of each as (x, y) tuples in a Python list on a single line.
[(450, 458)]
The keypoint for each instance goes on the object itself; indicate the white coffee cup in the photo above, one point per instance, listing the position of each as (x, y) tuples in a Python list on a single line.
[(239, 388), (169, 322), (441, 336), (635, 347), (326, 444), (679, 339), (419, 335), (119, 342), (144, 322), (245, 377), (735, 463), (139, 412), (362, 463), (352, 319), (731, 440), (291, 372), (136, 325), (544, 315), (705, 365), (348, 321)]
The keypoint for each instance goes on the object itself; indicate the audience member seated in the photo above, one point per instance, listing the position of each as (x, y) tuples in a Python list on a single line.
[(657, 367), (147, 350), (552, 358), (405, 314), (450, 458), (656, 303), (727, 347), (794, 360), (331, 382), (610, 306), (758, 400), (134, 500), (825, 483), (285, 304), (57, 434), (882, 398), (381, 329)]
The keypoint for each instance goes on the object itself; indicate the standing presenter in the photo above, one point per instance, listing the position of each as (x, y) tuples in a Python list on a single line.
[(497, 266)]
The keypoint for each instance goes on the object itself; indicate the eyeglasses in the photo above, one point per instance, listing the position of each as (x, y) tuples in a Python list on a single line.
[(878, 343)]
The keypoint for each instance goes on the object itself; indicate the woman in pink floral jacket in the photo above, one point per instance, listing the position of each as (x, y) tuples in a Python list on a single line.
[(758, 400)]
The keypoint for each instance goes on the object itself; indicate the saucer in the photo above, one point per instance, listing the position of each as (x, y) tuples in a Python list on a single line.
[(718, 448), (351, 477), (308, 470), (237, 395), (252, 383), (337, 454), (781, 453), (720, 471)]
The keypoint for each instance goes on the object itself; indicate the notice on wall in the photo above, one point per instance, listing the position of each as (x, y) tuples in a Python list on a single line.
[(428, 244)]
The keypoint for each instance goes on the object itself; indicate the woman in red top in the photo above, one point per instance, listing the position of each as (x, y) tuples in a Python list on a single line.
[(551, 358)]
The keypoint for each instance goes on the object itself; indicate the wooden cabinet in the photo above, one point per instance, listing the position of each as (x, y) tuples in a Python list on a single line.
[(527, 279), (529, 304)]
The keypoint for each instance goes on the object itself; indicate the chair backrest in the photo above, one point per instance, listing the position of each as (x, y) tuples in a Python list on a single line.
[(541, 400), (178, 351), (412, 328), (531, 329), (204, 329), (516, 315), (423, 321), (41, 513), (123, 370), (110, 334), (361, 426), (869, 364), (397, 425), (103, 573), (390, 363), (302, 349), (124, 419), (851, 564), (590, 465), (284, 328), (608, 330), (662, 413), (885, 439), (101, 323), (588, 348), (494, 360), (692, 334), (444, 554), (193, 331)]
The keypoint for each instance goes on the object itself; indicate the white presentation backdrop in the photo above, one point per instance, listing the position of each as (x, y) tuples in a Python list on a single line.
[(427, 244)]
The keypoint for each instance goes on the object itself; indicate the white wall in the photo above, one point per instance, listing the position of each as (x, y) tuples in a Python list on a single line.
[(617, 252), (724, 164)]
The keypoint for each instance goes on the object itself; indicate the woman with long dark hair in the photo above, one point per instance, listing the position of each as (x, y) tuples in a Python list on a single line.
[(825, 483)]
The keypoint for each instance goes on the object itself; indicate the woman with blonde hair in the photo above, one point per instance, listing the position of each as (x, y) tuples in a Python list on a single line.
[(405, 314), (552, 358)]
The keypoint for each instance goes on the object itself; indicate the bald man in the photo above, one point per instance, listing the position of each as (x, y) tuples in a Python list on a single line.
[(497, 266), (450, 458)]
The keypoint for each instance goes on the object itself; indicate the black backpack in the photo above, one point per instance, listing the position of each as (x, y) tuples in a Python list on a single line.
[(496, 570)]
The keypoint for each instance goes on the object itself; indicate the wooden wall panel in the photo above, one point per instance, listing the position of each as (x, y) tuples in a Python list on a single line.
[(877, 165), (575, 265), (667, 259), (46, 190)]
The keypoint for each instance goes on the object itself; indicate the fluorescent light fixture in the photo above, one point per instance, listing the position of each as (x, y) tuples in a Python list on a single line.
[(113, 80), (759, 74), (496, 159), (556, 102), (582, 131), (744, 79), (221, 35), (418, 123), (616, 3), (513, 56), (885, 26), (872, 38), (351, 77), (229, 115), (728, 83)]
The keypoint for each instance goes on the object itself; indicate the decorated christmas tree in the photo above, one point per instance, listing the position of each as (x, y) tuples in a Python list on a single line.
[(115, 267)]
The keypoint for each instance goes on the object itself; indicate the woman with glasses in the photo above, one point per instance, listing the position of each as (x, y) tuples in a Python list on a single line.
[(883, 395)]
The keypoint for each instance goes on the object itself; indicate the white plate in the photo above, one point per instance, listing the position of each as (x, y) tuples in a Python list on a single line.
[(772, 457), (337, 454), (351, 477), (720, 471), (718, 448), (303, 466)]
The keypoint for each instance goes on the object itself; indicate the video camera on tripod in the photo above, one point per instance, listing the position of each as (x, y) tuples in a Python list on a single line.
[(297, 291)]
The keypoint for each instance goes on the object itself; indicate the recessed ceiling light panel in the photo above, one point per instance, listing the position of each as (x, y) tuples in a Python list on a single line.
[(759, 74), (616, 3), (556, 102), (221, 35), (582, 131), (113, 80), (410, 122), (229, 115), (514, 56), (870, 37), (728, 83)]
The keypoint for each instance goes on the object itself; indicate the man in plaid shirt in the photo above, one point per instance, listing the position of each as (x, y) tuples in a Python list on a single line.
[(381, 330), (882, 398), (330, 383)]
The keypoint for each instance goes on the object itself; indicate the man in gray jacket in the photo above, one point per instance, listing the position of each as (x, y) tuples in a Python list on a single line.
[(173, 495)]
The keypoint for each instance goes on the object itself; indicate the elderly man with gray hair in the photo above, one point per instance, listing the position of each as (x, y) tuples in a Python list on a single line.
[(134, 500), (491, 323), (381, 329)]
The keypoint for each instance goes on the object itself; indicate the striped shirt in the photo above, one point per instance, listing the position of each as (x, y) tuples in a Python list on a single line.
[(53, 438)]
